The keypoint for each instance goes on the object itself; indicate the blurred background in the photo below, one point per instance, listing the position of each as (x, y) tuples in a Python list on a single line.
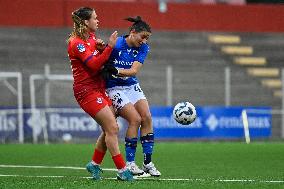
[(224, 56)]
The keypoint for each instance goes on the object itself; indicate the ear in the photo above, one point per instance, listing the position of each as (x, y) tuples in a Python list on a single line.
[(133, 31), (86, 22)]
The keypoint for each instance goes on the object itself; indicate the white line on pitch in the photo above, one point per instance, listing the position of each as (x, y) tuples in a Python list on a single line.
[(248, 180), (159, 179), (51, 167), (111, 169)]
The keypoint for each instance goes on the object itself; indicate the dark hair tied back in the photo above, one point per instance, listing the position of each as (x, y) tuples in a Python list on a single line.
[(135, 20), (139, 25)]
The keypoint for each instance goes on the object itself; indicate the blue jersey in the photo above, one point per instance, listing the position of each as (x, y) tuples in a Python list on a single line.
[(122, 57)]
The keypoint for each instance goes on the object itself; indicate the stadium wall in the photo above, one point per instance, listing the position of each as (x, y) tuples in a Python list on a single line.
[(179, 17)]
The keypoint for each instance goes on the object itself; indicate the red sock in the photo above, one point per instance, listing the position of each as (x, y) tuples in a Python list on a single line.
[(98, 156), (119, 161)]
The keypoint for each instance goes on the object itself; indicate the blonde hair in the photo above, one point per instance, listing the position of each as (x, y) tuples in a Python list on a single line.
[(80, 28)]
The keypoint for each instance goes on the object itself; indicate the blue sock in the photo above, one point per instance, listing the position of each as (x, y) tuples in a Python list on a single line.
[(130, 148), (147, 142)]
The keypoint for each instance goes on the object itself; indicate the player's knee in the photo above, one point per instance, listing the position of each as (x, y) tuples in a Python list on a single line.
[(135, 121), (146, 117), (112, 130)]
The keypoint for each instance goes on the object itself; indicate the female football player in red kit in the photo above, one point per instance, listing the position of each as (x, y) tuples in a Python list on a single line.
[(87, 55)]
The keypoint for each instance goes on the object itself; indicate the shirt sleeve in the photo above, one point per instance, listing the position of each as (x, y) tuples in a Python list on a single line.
[(94, 62), (141, 56)]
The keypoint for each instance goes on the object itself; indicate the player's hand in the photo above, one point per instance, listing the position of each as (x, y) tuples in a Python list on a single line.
[(113, 39), (111, 69), (100, 45), (106, 75), (109, 72)]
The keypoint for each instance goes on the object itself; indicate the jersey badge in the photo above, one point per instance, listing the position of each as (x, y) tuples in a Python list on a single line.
[(99, 100), (81, 48), (135, 53)]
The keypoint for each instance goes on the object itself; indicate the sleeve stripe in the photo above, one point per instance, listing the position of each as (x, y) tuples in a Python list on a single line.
[(85, 62)]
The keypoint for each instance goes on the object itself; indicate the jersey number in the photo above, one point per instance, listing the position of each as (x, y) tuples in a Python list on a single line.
[(137, 88)]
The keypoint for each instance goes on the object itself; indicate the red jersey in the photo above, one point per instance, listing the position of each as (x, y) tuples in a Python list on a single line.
[(86, 62)]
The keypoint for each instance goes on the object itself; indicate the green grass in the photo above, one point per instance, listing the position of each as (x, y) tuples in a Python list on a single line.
[(205, 163)]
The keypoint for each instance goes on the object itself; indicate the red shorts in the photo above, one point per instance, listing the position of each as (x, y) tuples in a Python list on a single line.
[(94, 101)]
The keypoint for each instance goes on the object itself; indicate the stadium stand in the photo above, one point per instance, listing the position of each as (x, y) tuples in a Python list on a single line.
[(257, 53), (28, 50), (262, 59), (197, 60), (198, 64)]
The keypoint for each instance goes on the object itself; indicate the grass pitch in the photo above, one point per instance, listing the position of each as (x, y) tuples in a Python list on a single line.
[(183, 165)]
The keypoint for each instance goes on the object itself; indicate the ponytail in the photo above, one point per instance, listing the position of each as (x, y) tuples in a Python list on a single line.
[(138, 24)]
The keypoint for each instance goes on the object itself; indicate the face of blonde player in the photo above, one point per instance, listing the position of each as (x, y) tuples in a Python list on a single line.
[(93, 22), (138, 38)]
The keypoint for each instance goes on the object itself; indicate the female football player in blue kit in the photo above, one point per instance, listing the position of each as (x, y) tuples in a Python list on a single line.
[(127, 97)]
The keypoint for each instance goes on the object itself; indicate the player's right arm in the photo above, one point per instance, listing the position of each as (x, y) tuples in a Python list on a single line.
[(136, 66)]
